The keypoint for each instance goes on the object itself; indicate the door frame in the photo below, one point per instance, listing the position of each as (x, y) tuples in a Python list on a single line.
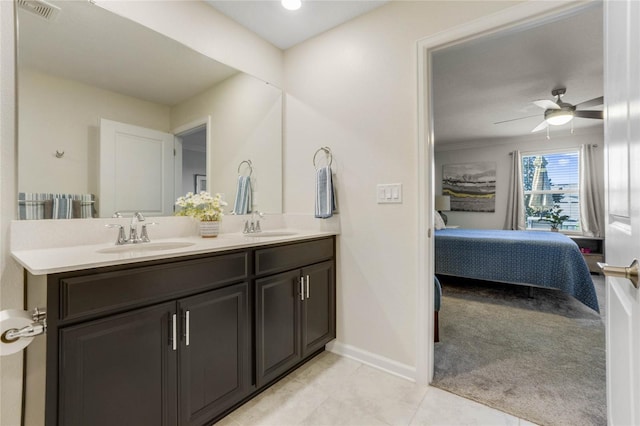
[(185, 129), (521, 15)]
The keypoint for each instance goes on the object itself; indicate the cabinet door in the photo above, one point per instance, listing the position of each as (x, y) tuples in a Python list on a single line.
[(214, 353), (120, 370), (319, 307), (277, 325)]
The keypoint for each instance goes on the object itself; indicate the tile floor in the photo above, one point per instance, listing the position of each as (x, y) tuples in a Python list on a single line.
[(333, 390)]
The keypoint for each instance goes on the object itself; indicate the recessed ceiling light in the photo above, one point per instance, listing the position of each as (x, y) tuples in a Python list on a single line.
[(291, 4)]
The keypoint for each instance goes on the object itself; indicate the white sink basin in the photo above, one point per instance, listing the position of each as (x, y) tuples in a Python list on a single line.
[(267, 234), (142, 247)]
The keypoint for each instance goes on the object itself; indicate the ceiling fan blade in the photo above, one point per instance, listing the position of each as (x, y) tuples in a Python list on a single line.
[(591, 102), (589, 114), (516, 119), (546, 104), (540, 126)]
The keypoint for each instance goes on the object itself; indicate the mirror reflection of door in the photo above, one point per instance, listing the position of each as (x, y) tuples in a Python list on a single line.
[(193, 160), (136, 170)]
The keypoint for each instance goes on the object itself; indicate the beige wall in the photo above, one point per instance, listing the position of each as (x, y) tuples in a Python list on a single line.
[(59, 114), (499, 153), (354, 89)]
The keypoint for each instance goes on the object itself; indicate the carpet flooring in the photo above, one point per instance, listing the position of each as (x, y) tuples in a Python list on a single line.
[(541, 359)]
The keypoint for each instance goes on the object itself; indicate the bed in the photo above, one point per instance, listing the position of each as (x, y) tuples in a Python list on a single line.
[(532, 258)]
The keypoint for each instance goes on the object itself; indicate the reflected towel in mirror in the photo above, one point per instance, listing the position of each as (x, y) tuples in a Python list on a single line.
[(242, 204), (55, 206)]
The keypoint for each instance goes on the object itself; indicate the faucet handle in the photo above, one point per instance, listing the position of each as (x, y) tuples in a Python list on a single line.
[(259, 215), (144, 236), (122, 239), (116, 215)]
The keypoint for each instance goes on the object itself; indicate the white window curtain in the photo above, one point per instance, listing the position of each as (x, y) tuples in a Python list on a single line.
[(515, 201), (590, 201)]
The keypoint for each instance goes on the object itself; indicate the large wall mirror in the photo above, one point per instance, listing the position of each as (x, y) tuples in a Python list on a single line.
[(130, 119)]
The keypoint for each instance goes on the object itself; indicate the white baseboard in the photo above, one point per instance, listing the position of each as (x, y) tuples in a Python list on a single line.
[(373, 360)]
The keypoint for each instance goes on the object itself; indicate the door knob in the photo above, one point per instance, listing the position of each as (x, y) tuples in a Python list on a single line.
[(630, 272)]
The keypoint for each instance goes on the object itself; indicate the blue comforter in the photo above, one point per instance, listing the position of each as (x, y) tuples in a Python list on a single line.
[(538, 258)]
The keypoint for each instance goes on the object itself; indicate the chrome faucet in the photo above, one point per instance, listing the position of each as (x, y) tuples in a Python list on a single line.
[(122, 239), (253, 226), (133, 228), (133, 231)]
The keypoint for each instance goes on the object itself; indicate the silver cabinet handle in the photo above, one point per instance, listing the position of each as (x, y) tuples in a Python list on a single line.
[(307, 286), (301, 288), (630, 272), (186, 320), (174, 341)]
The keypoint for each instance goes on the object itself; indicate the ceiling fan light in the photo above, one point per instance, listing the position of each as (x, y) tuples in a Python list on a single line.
[(291, 4), (559, 118)]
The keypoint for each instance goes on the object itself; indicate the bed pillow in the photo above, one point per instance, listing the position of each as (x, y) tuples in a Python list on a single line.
[(437, 221)]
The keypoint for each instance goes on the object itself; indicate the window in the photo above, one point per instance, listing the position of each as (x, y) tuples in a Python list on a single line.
[(551, 179)]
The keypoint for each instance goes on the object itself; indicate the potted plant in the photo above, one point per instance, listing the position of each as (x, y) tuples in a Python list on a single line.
[(554, 217), (205, 208)]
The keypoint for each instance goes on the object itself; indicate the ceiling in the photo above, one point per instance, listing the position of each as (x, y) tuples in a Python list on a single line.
[(495, 78), (284, 28)]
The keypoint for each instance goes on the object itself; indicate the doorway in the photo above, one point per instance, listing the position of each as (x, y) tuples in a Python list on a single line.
[(526, 14), (429, 135), (191, 160), (194, 160)]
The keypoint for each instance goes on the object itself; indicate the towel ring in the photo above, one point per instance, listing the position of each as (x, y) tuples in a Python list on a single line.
[(327, 152), (248, 164)]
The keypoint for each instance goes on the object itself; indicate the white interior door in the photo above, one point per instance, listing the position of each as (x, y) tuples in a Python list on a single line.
[(136, 170), (622, 141)]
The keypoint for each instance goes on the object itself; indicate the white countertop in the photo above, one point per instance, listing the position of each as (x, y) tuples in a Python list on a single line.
[(63, 259)]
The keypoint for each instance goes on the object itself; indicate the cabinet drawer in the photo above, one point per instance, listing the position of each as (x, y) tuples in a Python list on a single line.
[(282, 258), (111, 291)]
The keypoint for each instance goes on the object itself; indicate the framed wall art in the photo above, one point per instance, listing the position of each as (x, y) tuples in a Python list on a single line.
[(471, 186)]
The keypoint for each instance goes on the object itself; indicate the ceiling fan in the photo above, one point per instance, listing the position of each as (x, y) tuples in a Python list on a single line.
[(558, 113)]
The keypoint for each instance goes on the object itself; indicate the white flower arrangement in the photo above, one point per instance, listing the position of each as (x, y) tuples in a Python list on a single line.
[(201, 206)]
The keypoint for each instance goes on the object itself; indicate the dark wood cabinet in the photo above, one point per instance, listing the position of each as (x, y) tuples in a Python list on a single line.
[(183, 342), (215, 365), (119, 370), (319, 307), (277, 325), (135, 356), (295, 310)]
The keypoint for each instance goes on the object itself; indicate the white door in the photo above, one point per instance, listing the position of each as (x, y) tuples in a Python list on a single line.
[(136, 170), (622, 141)]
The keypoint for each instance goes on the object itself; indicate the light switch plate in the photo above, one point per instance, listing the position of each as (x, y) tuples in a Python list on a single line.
[(389, 193)]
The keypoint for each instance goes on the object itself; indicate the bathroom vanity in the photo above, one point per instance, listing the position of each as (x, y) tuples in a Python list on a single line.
[(184, 337)]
